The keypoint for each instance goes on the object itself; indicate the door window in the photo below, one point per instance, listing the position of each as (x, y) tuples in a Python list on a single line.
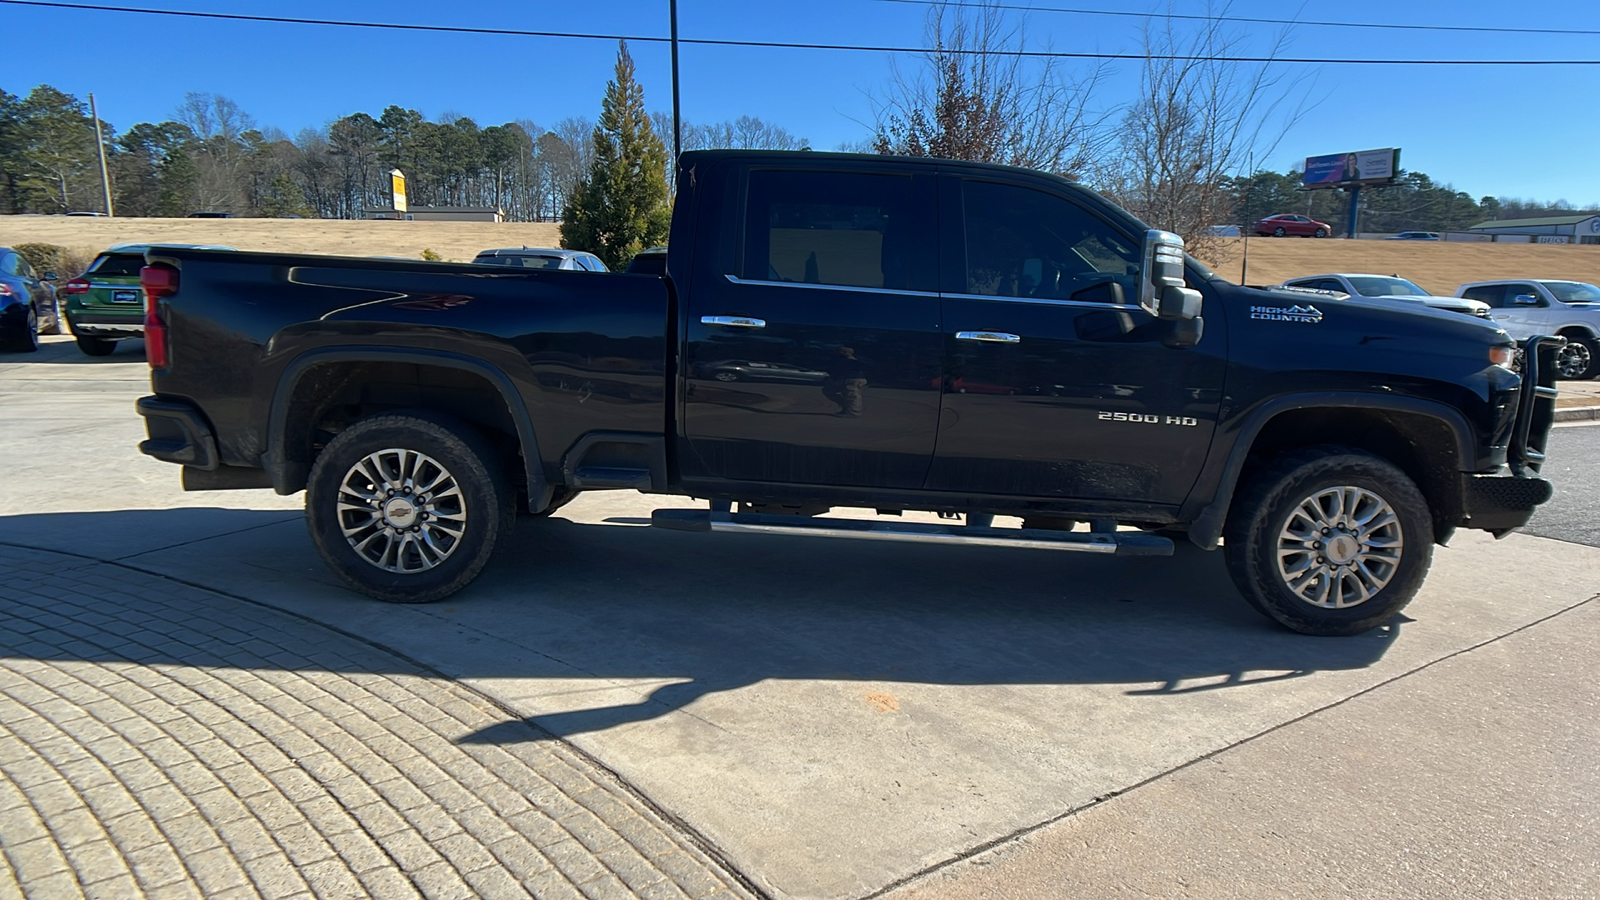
[(835, 228), (1026, 243), (1492, 294)]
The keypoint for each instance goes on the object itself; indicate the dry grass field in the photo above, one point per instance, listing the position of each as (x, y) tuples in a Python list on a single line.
[(1439, 267)]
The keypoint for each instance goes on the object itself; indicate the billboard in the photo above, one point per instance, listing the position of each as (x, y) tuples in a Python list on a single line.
[(1363, 167)]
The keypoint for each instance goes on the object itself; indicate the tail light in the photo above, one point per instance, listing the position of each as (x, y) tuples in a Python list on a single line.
[(78, 286), (159, 282), (6, 291)]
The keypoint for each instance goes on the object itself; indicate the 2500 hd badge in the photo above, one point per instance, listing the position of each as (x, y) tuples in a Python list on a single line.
[(1147, 418)]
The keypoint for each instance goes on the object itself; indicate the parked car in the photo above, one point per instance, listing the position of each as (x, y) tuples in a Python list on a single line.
[(27, 303), (105, 304), (649, 262), (1570, 309), (541, 258), (1414, 236), (1289, 224), (210, 214), (1387, 287), (1331, 443)]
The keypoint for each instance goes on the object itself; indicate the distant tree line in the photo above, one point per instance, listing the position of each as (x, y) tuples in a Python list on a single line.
[(1414, 203), (212, 156)]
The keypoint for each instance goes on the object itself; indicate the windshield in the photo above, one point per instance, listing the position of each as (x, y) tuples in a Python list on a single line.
[(1573, 291), (1379, 286)]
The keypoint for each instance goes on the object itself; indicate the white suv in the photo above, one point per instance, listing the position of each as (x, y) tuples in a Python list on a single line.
[(1526, 307)]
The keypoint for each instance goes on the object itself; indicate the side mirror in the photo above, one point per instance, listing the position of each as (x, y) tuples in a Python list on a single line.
[(1164, 294), (49, 276), (1526, 300)]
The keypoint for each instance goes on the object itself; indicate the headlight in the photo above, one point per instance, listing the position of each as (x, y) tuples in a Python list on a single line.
[(1502, 356)]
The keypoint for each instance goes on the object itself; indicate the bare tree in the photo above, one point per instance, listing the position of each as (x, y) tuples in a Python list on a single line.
[(1199, 122), (975, 97)]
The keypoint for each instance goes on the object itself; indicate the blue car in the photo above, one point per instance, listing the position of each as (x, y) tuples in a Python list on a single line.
[(27, 303)]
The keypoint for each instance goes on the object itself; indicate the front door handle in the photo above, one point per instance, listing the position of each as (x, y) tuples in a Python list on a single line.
[(993, 337), (734, 321)]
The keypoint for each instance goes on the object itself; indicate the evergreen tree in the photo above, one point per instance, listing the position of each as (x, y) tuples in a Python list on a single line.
[(621, 208)]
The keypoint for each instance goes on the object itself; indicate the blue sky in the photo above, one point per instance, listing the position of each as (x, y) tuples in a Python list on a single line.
[(1521, 132)]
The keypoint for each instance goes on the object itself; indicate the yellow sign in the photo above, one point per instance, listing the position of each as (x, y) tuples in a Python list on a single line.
[(397, 181)]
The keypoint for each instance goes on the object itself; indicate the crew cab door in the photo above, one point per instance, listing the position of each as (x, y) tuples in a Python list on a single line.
[(1053, 388), (811, 348)]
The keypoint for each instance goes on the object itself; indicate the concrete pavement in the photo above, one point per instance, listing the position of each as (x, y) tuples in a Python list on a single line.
[(830, 721)]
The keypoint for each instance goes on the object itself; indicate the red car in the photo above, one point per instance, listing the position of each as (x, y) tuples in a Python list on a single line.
[(1284, 225)]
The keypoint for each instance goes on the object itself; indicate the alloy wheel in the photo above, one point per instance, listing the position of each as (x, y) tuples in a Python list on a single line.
[(1339, 547), (401, 510), (1573, 359)]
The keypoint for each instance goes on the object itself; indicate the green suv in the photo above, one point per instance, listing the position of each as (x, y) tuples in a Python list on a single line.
[(105, 304)]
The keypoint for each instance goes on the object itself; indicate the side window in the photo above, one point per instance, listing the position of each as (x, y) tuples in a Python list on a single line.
[(23, 269), (838, 228), (1328, 284), (1492, 294), (1026, 243), (8, 264)]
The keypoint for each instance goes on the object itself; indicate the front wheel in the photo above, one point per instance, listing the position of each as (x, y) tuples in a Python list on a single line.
[(1579, 359), (1329, 541), (408, 507), (1279, 232), (1321, 233)]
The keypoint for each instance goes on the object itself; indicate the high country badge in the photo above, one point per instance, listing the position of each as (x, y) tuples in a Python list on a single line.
[(1310, 315)]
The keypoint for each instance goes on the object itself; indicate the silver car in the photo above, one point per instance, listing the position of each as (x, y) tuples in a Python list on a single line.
[(1528, 306), (1387, 287), (541, 258)]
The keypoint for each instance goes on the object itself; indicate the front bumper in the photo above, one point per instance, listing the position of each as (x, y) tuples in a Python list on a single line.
[(1503, 502)]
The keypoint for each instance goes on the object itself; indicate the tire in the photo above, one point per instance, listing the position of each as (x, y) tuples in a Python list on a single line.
[(93, 346), (1279, 232), (431, 560), (1273, 511), (1320, 232), (22, 337), (1579, 359)]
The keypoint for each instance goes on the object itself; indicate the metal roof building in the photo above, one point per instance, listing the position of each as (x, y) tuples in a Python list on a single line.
[(1579, 228)]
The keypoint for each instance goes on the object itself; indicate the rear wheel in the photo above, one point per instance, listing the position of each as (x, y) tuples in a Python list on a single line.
[(408, 507), (1329, 541), (1279, 231), (93, 346), (1579, 359)]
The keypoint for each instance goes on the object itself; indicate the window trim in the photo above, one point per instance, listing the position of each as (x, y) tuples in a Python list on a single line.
[(806, 285)]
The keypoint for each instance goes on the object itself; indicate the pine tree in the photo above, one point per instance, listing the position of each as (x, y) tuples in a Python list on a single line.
[(621, 208)]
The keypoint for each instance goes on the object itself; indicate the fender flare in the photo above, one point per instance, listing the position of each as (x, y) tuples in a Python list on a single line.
[(1206, 528), (289, 477)]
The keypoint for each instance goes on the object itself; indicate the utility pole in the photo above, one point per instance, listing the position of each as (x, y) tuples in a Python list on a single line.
[(100, 144), (677, 122)]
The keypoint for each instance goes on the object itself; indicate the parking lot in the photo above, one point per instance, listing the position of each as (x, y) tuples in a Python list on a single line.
[(666, 714)]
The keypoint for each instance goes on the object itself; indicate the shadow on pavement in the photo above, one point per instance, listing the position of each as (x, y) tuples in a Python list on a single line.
[(714, 613)]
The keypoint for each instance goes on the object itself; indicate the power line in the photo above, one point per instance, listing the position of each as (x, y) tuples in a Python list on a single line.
[(783, 45), (1247, 20)]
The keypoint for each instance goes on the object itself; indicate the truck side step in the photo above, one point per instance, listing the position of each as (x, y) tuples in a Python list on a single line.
[(1120, 543)]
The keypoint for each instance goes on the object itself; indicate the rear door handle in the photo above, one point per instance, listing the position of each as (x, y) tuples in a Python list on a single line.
[(992, 337), (734, 321)]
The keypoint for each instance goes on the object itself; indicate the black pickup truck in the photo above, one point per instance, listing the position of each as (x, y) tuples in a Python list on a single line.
[(857, 332)]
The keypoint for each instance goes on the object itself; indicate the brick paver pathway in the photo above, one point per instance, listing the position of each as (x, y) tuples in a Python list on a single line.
[(165, 741)]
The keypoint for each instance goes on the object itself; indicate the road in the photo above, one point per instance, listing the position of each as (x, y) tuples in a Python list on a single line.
[(1573, 514)]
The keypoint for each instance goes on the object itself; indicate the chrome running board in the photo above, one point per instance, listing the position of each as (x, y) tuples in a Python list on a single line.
[(1121, 543)]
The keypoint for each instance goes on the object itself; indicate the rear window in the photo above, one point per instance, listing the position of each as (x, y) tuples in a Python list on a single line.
[(526, 262), (114, 264)]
